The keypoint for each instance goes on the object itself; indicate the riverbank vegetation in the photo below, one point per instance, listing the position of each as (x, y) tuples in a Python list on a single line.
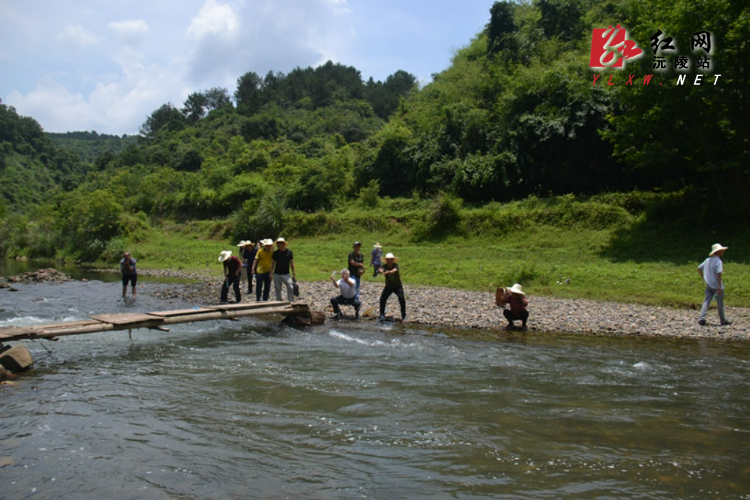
[(512, 165)]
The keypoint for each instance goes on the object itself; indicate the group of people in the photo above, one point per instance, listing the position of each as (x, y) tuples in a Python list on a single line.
[(265, 264), (350, 281)]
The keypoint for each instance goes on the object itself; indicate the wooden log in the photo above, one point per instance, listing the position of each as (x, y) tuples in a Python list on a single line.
[(130, 321)]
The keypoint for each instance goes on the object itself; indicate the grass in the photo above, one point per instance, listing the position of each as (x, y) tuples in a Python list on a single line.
[(540, 256)]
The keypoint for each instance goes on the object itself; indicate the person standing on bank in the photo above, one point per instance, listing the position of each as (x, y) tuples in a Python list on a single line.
[(356, 264), (283, 260), (375, 259), (262, 270), (129, 273), (518, 305), (248, 256), (711, 271), (348, 294), (392, 285), (232, 272)]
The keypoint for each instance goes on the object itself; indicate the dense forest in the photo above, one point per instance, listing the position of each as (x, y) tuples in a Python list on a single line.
[(519, 112)]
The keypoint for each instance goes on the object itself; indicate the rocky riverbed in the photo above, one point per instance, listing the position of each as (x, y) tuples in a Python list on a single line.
[(461, 309)]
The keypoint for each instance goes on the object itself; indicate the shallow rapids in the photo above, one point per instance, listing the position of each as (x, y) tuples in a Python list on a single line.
[(254, 409)]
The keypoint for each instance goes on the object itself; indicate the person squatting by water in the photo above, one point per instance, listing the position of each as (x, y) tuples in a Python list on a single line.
[(516, 298), (711, 271), (356, 264), (262, 270), (375, 259), (348, 294), (232, 272), (248, 256), (283, 260), (392, 285), (129, 273)]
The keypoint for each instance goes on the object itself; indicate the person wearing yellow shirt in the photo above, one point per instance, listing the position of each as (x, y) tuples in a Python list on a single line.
[(262, 270)]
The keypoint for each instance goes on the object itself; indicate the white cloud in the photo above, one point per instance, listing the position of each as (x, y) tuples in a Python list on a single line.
[(77, 35), (213, 19), (131, 31)]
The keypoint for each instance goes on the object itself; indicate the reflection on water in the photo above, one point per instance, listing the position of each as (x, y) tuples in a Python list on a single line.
[(252, 409)]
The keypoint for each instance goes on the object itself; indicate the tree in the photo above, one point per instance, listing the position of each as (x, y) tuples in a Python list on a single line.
[(194, 107), (501, 27), (166, 117), (690, 134), (217, 98), (249, 94), (560, 18)]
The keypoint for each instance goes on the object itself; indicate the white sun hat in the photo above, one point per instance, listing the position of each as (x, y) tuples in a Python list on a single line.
[(225, 255), (716, 248), (242, 243), (516, 288)]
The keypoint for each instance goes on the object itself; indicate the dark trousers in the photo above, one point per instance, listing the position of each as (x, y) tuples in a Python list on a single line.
[(335, 301), (234, 282), (262, 285), (387, 292), (523, 316)]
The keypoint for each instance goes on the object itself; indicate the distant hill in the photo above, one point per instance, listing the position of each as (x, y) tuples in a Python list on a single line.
[(89, 146), (31, 167)]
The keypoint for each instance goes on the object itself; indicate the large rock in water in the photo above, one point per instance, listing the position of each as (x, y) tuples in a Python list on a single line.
[(311, 318), (16, 359)]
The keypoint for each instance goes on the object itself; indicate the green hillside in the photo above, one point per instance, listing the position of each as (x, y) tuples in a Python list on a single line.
[(519, 119)]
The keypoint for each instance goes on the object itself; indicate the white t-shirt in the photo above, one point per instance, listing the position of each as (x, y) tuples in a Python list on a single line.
[(347, 291), (711, 267)]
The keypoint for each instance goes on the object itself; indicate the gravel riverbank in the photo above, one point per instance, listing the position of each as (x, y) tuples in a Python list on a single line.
[(460, 309)]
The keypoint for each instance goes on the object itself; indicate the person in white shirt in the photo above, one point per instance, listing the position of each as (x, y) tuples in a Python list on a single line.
[(348, 295), (711, 271)]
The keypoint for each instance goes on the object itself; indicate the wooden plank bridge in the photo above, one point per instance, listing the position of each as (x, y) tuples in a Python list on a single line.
[(152, 320)]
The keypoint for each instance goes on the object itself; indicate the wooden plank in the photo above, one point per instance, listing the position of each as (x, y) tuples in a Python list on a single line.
[(179, 312), (124, 321), (121, 319), (249, 305)]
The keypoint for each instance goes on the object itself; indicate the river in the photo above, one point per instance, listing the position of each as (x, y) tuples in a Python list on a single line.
[(255, 409)]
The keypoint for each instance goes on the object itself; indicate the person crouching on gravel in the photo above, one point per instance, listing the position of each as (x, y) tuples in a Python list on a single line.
[(392, 285), (348, 294), (519, 304)]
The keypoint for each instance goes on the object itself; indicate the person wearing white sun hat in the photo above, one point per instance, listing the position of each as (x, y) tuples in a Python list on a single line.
[(232, 271), (711, 271), (516, 298), (392, 285), (262, 270)]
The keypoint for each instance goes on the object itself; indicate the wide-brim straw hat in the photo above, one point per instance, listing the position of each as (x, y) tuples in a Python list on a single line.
[(242, 243), (281, 240), (378, 245), (716, 247), (391, 256), (267, 242), (516, 288), (225, 255)]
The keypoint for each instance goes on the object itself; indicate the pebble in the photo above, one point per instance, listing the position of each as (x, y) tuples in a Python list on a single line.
[(462, 309)]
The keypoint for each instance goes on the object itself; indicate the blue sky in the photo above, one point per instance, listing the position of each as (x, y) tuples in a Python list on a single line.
[(106, 65)]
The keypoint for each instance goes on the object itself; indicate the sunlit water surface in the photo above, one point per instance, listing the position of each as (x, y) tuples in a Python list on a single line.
[(255, 409)]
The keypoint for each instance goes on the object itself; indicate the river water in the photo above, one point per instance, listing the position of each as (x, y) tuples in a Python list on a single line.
[(255, 409)]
